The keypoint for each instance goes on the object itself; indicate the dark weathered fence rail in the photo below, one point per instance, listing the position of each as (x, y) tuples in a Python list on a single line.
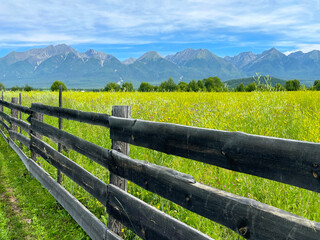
[(287, 161)]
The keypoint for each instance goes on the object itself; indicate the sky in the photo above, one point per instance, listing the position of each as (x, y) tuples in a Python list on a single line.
[(130, 28)]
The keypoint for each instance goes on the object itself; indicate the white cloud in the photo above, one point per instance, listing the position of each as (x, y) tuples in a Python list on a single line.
[(138, 22), (305, 48)]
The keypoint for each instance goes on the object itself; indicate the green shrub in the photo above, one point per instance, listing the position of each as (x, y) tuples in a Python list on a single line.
[(56, 84)]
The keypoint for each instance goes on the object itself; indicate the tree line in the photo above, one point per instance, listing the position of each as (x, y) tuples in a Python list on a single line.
[(211, 84)]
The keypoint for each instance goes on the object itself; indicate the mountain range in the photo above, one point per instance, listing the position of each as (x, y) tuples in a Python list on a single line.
[(93, 69)]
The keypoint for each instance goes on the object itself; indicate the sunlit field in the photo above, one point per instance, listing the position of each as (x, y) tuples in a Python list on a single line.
[(293, 115)]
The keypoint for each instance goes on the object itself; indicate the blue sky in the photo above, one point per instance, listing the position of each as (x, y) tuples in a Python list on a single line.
[(131, 28)]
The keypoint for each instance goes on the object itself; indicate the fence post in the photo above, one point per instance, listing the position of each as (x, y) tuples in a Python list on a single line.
[(39, 117), (20, 117), (1, 109), (59, 174), (14, 113), (124, 112)]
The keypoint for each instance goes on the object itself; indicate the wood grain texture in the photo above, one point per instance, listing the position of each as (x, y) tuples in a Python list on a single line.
[(59, 174), (14, 114), (5, 116), (287, 161), (39, 118), (16, 106), (5, 125), (260, 221), (145, 220), (20, 123), (71, 114), (122, 147), (20, 137)]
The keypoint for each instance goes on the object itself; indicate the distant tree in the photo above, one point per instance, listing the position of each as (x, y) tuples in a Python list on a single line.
[(27, 88), (193, 86), (201, 85), (127, 87), (316, 85), (292, 85), (168, 86), (183, 86), (145, 87), (279, 87), (251, 87), (213, 84), (240, 88), (16, 88), (56, 84), (112, 87), (2, 87)]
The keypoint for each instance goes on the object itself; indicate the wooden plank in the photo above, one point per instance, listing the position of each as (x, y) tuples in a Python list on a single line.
[(20, 123), (15, 106), (5, 125), (5, 116), (3, 135), (20, 137), (222, 207), (79, 175), (71, 114), (287, 161), (96, 153), (87, 221), (122, 147), (14, 114), (146, 221)]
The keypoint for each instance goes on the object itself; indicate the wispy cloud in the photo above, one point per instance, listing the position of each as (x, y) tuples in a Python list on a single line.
[(141, 22)]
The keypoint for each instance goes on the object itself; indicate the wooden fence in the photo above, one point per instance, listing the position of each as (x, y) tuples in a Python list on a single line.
[(288, 161)]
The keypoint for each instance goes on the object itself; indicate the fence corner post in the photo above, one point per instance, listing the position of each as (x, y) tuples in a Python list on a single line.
[(124, 112)]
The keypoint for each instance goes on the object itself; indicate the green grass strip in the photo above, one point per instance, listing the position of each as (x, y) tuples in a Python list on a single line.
[(27, 210)]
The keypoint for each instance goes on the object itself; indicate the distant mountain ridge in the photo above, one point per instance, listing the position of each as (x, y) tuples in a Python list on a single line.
[(93, 69)]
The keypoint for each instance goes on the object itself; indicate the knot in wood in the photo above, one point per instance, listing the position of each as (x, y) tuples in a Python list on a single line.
[(143, 231), (188, 198), (315, 175), (243, 231)]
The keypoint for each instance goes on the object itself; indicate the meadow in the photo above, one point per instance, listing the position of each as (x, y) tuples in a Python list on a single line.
[(293, 115)]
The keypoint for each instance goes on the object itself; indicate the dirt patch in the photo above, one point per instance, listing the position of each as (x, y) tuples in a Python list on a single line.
[(11, 201)]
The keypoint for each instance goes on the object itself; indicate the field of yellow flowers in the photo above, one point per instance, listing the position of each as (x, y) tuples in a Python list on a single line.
[(293, 115)]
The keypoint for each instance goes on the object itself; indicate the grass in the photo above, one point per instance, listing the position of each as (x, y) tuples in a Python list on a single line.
[(293, 115), (27, 210)]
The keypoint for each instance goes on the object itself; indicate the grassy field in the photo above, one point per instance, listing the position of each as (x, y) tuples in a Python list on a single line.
[(294, 115)]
